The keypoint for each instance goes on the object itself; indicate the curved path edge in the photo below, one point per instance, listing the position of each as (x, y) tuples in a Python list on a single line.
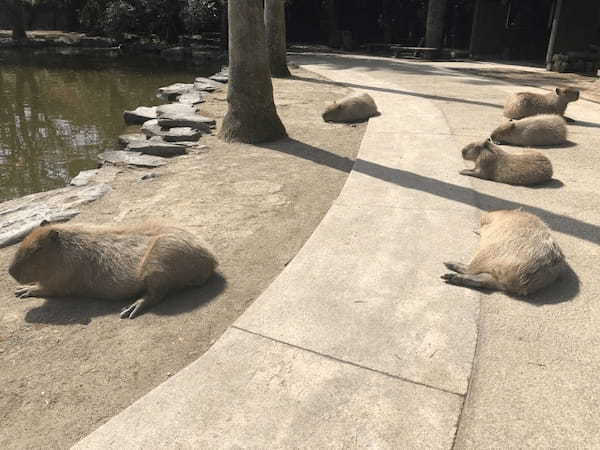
[(357, 342)]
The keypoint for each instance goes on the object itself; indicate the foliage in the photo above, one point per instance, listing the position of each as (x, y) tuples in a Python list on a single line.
[(201, 15)]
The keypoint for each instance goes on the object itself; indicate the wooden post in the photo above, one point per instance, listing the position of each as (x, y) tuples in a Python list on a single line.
[(553, 33)]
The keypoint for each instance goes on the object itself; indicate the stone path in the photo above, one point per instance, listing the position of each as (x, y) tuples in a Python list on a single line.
[(358, 343)]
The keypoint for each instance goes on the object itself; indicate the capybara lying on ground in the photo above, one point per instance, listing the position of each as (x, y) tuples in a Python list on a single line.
[(523, 168), (111, 262), (354, 108), (516, 254), (540, 130), (525, 104)]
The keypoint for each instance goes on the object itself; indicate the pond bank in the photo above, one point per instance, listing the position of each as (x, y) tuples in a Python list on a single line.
[(71, 364)]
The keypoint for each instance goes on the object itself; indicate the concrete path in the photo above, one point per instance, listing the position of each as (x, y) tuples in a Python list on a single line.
[(358, 343)]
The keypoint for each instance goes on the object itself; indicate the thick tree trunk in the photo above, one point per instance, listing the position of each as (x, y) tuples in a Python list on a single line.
[(436, 16), (251, 116), (16, 14), (276, 40), (224, 25)]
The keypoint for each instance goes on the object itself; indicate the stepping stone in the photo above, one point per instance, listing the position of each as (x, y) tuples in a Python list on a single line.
[(191, 98), (152, 128), (172, 91), (206, 84), (195, 121), (84, 177), (154, 148), (139, 115), (122, 158), (172, 109), (21, 215), (126, 139), (220, 78)]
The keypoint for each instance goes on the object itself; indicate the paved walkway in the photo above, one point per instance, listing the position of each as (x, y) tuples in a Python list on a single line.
[(358, 343)]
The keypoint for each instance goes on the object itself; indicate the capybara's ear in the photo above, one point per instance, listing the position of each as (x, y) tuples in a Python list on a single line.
[(44, 222), (557, 91), (54, 235)]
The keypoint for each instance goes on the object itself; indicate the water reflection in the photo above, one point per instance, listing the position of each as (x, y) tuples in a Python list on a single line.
[(57, 112)]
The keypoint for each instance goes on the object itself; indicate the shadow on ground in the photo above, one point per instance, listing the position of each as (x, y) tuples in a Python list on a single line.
[(485, 202), (78, 310)]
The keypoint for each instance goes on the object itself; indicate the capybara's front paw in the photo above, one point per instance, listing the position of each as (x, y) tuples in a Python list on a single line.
[(133, 310), (26, 291)]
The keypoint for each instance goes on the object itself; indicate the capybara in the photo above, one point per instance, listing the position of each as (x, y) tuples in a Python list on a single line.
[(354, 108), (523, 168), (144, 262), (540, 130), (516, 254), (525, 104)]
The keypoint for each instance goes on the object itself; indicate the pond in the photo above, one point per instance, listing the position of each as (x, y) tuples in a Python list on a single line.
[(57, 112)]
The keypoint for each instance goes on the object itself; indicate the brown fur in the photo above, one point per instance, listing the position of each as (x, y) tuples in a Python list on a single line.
[(516, 254), (540, 130), (354, 108), (525, 104), (492, 163), (120, 262)]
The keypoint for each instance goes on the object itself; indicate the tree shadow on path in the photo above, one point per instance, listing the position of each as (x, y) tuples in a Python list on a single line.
[(456, 193)]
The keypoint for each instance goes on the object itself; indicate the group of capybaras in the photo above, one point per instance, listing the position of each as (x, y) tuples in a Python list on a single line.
[(146, 262)]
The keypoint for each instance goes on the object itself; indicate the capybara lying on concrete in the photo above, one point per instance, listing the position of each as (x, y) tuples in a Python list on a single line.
[(354, 108), (525, 104), (111, 262), (524, 168), (516, 254), (540, 130)]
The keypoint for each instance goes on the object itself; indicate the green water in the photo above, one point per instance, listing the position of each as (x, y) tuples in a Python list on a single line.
[(57, 112)]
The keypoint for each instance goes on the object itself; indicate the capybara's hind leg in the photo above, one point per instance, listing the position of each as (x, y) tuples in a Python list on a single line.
[(480, 280), (456, 267)]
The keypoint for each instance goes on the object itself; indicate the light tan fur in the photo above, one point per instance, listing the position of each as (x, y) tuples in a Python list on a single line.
[(111, 262), (516, 254), (525, 104), (540, 130), (354, 108), (524, 168)]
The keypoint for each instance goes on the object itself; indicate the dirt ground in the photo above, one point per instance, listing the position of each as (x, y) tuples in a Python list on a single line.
[(68, 365), (589, 85)]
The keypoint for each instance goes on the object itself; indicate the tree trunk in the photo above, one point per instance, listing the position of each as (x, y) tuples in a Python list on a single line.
[(436, 15), (251, 116), (224, 25), (276, 40), (16, 14)]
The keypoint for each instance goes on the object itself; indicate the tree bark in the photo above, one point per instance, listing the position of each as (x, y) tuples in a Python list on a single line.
[(276, 38), (436, 15), (16, 14), (251, 116), (224, 25)]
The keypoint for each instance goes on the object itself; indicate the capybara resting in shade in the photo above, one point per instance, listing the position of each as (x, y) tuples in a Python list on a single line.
[(540, 130), (516, 254), (525, 104), (111, 262), (354, 108), (523, 168)]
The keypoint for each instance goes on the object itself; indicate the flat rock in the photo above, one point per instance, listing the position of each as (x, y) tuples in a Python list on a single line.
[(221, 77), (172, 91), (173, 134), (84, 177), (126, 139), (172, 109), (206, 84), (21, 215), (140, 115), (191, 98), (164, 149), (195, 121), (122, 158)]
